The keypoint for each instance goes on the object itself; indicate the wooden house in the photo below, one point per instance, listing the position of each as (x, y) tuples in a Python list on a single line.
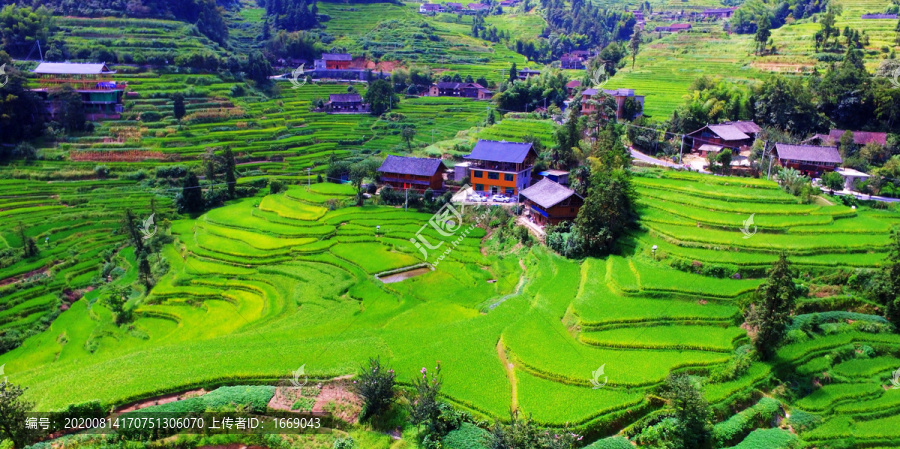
[(413, 173), (811, 160), (501, 167), (550, 203)]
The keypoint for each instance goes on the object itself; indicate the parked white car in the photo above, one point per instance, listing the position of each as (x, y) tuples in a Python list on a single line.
[(477, 198), (499, 199)]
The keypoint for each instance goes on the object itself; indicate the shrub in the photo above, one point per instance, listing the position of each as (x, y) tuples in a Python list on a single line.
[(375, 384), (275, 186), (736, 427)]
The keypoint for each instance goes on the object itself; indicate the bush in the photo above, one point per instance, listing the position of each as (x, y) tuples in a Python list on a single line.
[(275, 186), (735, 428), (375, 384), (150, 116)]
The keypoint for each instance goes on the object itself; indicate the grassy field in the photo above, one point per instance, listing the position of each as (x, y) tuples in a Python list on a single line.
[(270, 284)]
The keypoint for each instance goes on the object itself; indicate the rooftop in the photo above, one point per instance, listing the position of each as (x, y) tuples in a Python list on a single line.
[(337, 56), (411, 165), (746, 127), (448, 85), (725, 132), (808, 153), (494, 151), (345, 98), (72, 68), (547, 193), (860, 137)]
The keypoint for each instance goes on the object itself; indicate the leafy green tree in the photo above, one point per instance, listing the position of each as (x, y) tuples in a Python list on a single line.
[(763, 32), (846, 144), (191, 196), (635, 45), (258, 68), (21, 111), (423, 403), (691, 411), (833, 181), (788, 104), (230, 167), (491, 118), (69, 108), (724, 158), (358, 173), (116, 300), (13, 411), (771, 312), (129, 222), (211, 21), (408, 133), (607, 212), (375, 384), (178, 109), (827, 25), (21, 27), (887, 288), (381, 97), (513, 73), (29, 247)]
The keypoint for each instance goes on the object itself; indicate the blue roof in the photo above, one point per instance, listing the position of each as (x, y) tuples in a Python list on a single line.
[(494, 151)]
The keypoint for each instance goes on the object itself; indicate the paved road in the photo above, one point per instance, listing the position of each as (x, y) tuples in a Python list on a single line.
[(652, 160)]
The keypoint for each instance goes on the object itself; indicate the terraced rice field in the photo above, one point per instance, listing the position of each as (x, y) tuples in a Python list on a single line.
[(268, 284)]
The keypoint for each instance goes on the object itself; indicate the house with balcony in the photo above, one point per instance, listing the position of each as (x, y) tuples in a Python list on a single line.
[(346, 104), (548, 202), (466, 90), (101, 95), (413, 173), (715, 138), (501, 167), (810, 160), (333, 61)]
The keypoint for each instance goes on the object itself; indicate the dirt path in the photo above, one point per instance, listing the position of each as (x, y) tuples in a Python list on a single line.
[(510, 373)]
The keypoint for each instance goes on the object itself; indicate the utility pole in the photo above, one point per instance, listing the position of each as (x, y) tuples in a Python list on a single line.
[(406, 202), (308, 178), (432, 136), (681, 151)]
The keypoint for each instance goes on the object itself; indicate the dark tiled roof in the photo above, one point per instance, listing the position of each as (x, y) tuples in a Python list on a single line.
[(411, 165), (860, 137), (494, 151), (448, 85), (547, 193), (717, 10), (573, 83), (71, 68), (746, 127), (808, 153), (879, 16), (726, 132), (345, 98), (337, 57)]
